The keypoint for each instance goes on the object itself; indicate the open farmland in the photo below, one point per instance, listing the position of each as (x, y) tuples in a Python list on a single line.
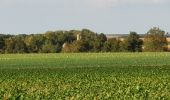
[(85, 76)]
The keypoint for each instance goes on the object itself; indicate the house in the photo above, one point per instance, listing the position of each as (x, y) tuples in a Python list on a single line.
[(123, 36)]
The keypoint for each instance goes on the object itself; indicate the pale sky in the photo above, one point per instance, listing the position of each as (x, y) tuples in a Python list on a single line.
[(107, 16)]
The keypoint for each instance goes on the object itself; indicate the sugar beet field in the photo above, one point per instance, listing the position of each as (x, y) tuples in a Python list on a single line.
[(85, 76)]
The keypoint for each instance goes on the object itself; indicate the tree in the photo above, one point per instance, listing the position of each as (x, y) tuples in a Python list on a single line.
[(15, 45), (34, 43), (155, 40), (2, 42), (88, 37), (74, 47), (71, 36), (78, 46), (99, 42), (66, 48), (132, 43), (49, 48), (112, 45)]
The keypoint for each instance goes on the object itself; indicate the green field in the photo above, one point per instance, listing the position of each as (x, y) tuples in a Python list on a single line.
[(89, 76)]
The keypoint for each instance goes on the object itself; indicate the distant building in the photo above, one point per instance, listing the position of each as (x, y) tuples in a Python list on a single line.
[(64, 45), (123, 36), (78, 37)]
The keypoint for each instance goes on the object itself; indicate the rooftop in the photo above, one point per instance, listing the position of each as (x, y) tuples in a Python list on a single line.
[(125, 35)]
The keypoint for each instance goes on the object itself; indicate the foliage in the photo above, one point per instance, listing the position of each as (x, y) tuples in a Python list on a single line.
[(155, 40), (15, 45), (112, 45), (49, 48), (132, 43), (74, 47), (2, 42), (54, 41), (98, 43)]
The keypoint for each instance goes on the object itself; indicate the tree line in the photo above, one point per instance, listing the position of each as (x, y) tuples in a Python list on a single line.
[(66, 41)]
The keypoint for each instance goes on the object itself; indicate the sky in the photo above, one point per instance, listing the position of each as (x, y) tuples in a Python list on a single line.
[(102, 16)]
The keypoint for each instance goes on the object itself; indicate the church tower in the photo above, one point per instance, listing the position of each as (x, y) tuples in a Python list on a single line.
[(78, 37)]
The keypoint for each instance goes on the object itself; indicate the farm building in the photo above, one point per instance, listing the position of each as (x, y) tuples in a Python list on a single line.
[(122, 36)]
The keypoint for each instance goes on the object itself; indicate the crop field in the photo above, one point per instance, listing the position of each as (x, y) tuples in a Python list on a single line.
[(85, 76)]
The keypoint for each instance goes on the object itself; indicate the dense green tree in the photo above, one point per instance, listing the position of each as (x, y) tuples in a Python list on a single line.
[(155, 40), (102, 37), (74, 47), (30, 42), (2, 42), (9, 45), (78, 46), (34, 43), (99, 42), (88, 37), (65, 41), (71, 36), (57, 37), (15, 45), (49, 48), (112, 45), (67, 48), (133, 43)]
